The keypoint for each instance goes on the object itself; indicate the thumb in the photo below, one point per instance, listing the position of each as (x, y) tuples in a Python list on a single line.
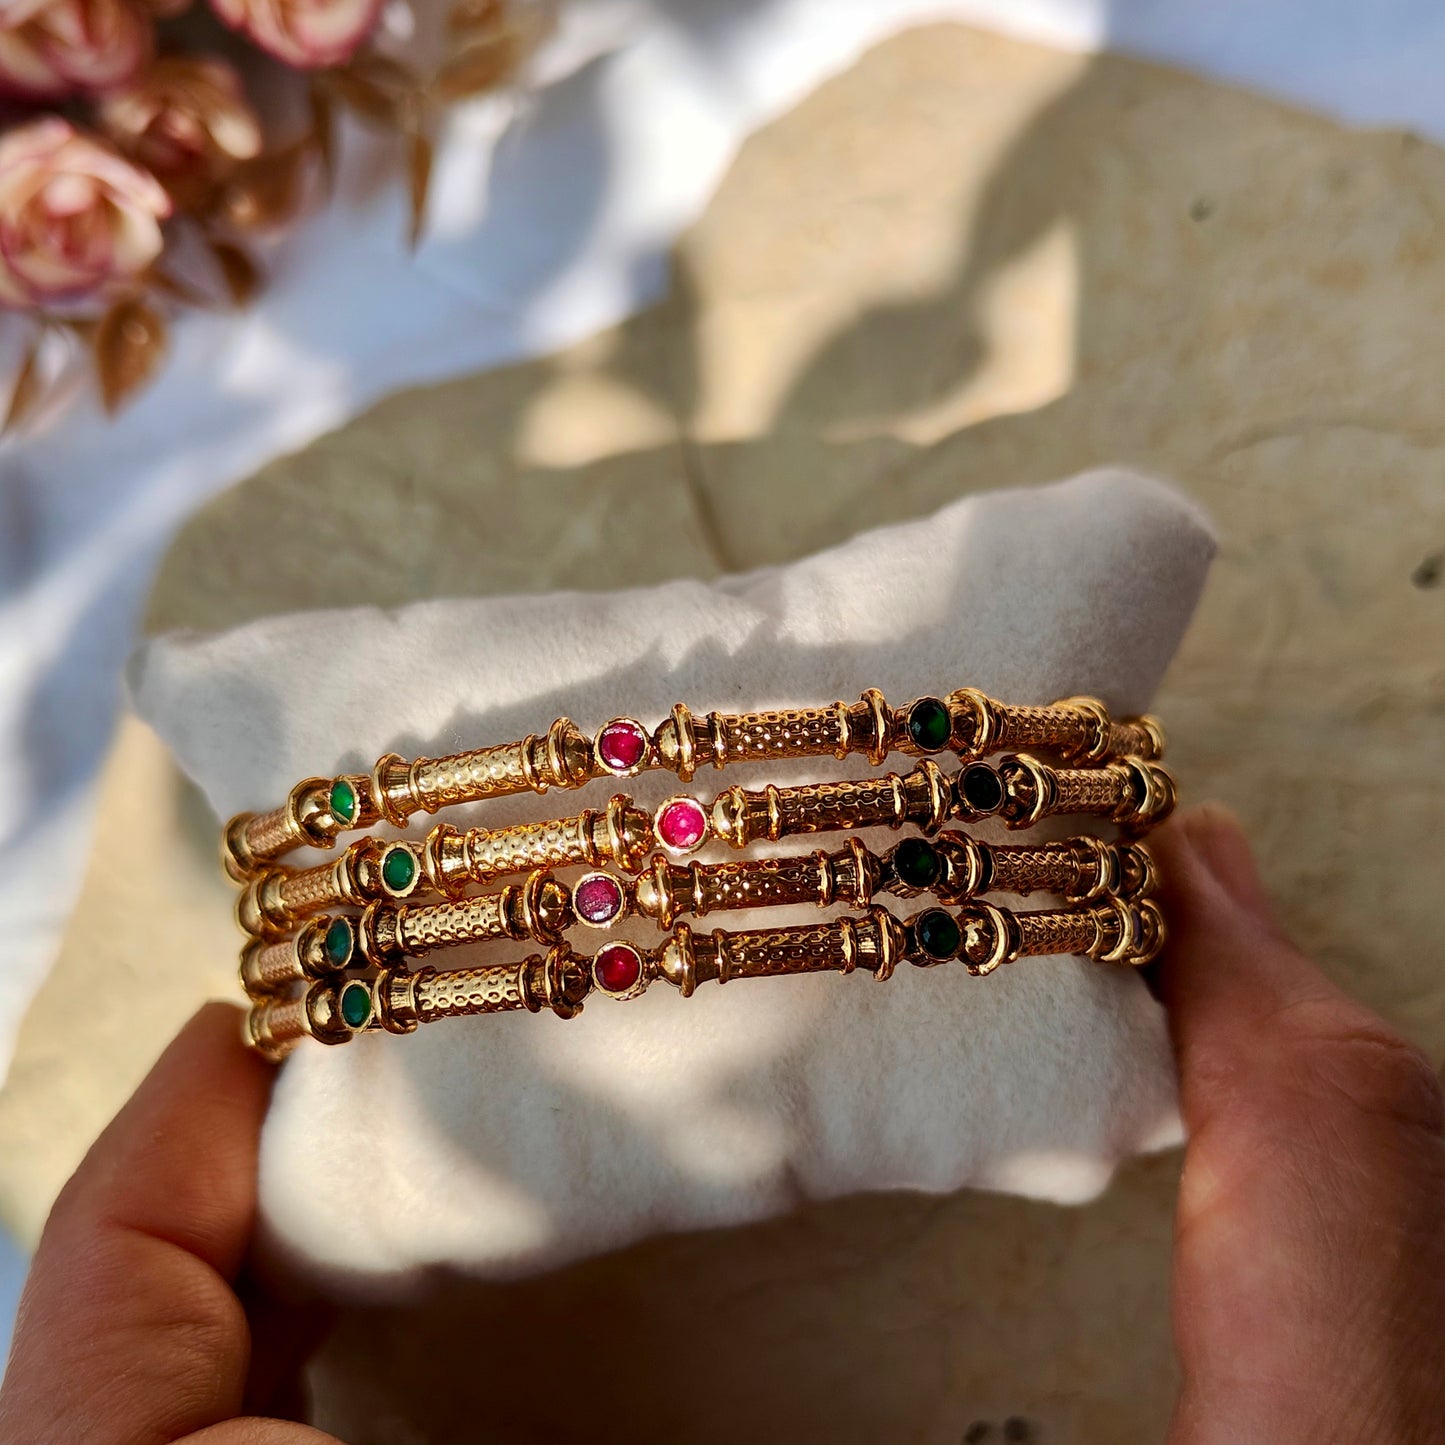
[(1309, 1271)]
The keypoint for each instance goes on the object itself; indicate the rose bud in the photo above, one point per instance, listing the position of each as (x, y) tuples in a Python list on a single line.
[(77, 220), (187, 120), (303, 33), (50, 49)]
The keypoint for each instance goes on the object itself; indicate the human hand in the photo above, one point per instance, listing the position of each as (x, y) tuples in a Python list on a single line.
[(1309, 1254), (131, 1328)]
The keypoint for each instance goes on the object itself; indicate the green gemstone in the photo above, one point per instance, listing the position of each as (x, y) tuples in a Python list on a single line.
[(938, 933), (981, 788), (343, 803), (916, 863), (929, 724), (355, 1004), (398, 869), (337, 943)]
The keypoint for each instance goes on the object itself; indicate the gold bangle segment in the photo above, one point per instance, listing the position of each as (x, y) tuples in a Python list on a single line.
[(953, 867), (330, 945), (1020, 790), (966, 722), (982, 936)]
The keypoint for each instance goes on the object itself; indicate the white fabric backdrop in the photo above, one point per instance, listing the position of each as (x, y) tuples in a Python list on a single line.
[(636, 111)]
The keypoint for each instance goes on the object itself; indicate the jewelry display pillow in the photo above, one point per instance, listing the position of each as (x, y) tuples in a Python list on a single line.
[(508, 1144)]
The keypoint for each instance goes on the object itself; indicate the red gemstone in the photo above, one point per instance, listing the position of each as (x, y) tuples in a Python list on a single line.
[(597, 898), (622, 745), (681, 824), (617, 967)]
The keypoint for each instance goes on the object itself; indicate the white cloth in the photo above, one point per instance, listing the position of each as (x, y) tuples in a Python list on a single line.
[(637, 108), (511, 1143)]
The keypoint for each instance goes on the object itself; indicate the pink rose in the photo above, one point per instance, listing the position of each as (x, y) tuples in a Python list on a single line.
[(76, 219), (187, 121), (54, 48), (304, 33)]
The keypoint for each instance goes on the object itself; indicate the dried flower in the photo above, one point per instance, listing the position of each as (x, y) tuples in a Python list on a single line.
[(187, 121), (50, 49), (303, 33), (77, 220)]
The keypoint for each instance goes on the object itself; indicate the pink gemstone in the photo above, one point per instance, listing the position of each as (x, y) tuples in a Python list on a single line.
[(681, 824), (617, 967), (597, 898), (622, 745)]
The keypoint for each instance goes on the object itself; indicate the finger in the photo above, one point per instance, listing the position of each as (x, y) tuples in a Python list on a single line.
[(1249, 1012), (1232, 966), (1309, 1284), (255, 1430), (129, 1329)]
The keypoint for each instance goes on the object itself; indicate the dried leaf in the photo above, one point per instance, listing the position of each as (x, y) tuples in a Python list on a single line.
[(240, 273), (172, 285), (323, 132), (128, 345), (266, 191), (478, 68), (376, 87), (27, 389), (367, 100), (382, 71), (473, 17), (524, 26), (418, 167)]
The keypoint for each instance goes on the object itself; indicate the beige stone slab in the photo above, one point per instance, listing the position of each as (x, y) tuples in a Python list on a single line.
[(967, 262), (876, 1319), (152, 938)]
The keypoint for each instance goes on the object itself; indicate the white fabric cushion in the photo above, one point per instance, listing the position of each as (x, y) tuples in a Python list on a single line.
[(508, 1144)]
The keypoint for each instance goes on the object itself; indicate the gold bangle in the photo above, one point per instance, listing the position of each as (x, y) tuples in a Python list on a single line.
[(312, 971), (965, 722), (1020, 790), (952, 867), (981, 935)]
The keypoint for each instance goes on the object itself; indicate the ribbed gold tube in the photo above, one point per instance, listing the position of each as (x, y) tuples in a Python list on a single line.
[(1132, 792), (270, 967), (1141, 737), (309, 890), (668, 889), (537, 909), (1079, 728), (1043, 868), (559, 980), (685, 743), (272, 833), (252, 840), (562, 757), (276, 1026), (621, 835), (1100, 792), (764, 953), (1108, 929), (922, 797), (280, 898), (1056, 930), (462, 991)]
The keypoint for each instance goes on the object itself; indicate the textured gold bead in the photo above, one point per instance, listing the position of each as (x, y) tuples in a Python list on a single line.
[(560, 758), (537, 908)]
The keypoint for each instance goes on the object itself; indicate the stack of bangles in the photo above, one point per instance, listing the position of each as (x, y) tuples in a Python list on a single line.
[(330, 947)]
